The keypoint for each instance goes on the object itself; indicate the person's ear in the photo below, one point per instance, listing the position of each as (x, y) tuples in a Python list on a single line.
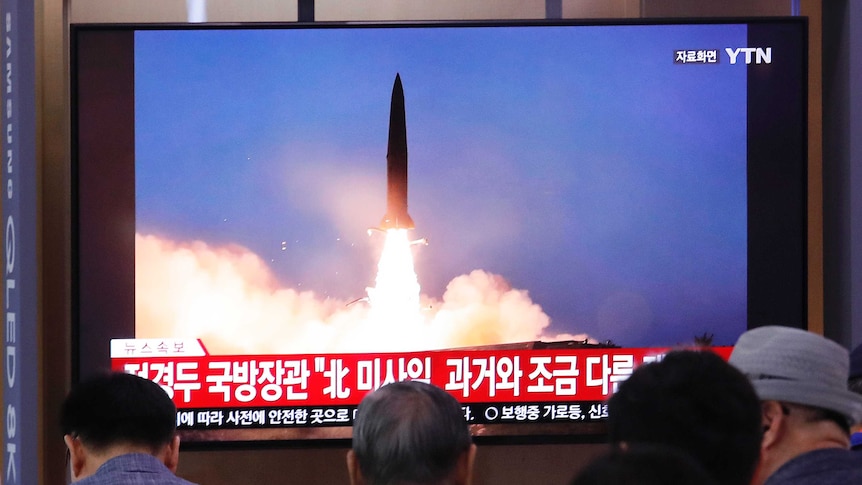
[(353, 469), (77, 456), (171, 457), (774, 422), (464, 471)]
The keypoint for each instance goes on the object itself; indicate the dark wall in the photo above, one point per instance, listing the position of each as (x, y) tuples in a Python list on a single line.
[(495, 465), (842, 170)]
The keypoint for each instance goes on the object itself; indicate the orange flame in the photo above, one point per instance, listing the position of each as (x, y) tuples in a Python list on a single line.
[(394, 300)]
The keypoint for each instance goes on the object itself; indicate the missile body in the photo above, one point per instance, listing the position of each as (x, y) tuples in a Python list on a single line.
[(396, 164)]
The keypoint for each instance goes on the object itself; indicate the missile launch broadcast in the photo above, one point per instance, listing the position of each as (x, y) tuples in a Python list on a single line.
[(558, 235)]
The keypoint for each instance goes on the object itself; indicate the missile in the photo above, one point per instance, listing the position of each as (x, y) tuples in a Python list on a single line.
[(396, 216)]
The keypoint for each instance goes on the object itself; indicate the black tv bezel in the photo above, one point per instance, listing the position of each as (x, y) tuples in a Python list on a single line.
[(100, 217)]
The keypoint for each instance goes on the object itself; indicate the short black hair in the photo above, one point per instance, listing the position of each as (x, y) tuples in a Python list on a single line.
[(697, 402), (813, 414), (643, 464), (409, 432), (116, 408)]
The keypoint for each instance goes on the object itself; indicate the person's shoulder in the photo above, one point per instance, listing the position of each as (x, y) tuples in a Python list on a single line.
[(830, 466), (134, 479), (133, 469), (175, 480), (149, 470)]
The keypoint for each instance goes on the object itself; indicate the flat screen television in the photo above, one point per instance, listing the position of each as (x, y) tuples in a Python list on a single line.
[(581, 196)]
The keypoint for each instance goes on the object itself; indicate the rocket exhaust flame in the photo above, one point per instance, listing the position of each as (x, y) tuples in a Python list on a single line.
[(394, 300)]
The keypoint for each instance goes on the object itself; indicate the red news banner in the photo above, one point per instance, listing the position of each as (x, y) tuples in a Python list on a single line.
[(239, 391)]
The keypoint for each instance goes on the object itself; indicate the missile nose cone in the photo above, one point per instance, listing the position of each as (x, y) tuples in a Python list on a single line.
[(397, 123)]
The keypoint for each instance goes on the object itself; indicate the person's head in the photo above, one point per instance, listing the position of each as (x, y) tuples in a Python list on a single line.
[(696, 402), (794, 366), (642, 464), (114, 414), (413, 433), (801, 380)]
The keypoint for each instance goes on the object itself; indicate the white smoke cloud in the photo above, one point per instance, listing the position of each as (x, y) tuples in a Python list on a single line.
[(229, 298)]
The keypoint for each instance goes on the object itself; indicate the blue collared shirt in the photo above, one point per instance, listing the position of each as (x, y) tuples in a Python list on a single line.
[(133, 469), (830, 466)]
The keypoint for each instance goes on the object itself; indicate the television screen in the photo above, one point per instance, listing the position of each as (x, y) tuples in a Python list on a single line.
[(272, 220)]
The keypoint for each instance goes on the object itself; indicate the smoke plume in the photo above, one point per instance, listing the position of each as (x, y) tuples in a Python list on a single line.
[(229, 298)]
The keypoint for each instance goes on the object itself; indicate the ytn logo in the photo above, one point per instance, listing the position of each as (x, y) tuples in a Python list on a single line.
[(757, 55)]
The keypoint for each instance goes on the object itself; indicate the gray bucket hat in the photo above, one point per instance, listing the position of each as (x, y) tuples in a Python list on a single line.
[(793, 365)]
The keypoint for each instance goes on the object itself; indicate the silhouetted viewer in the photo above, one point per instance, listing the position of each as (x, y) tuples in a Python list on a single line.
[(695, 402), (410, 433), (807, 410), (121, 429), (640, 464)]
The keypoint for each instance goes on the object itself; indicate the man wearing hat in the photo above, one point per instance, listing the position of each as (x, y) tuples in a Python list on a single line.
[(807, 410)]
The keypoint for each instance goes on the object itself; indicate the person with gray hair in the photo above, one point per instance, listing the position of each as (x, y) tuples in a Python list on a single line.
[(413, 433), (806, 408)]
